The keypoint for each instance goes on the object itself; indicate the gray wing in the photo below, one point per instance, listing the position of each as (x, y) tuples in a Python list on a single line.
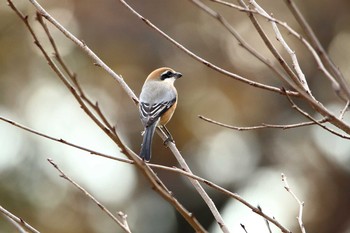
[(151, 112)]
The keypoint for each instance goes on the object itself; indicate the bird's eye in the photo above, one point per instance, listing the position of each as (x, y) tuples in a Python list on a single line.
[(166, 74)]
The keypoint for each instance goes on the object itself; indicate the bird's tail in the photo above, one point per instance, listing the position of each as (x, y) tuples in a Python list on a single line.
[(147, 142)]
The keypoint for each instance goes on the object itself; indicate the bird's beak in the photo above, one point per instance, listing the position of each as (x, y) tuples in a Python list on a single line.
[(178, 75)]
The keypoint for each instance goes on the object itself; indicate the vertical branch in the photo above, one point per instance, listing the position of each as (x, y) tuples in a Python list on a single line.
[(301, 204), (344, 110)]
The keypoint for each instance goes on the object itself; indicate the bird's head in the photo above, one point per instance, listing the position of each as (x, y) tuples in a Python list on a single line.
[(164, 74)]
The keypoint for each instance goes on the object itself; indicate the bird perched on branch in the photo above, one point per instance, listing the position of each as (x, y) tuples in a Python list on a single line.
[(158, 100)]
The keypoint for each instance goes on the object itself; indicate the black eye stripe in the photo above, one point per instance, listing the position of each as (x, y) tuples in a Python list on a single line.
[(166, 74)]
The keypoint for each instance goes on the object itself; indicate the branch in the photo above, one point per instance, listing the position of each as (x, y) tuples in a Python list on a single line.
[(57, 54), (263, 126), (243, 227), (123, 218), (125, 227), (301, 204), (18, 220), (60, 140), (16, 225)]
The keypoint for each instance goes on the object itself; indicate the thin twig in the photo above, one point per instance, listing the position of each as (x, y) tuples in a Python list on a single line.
[(63, 141), (95, 105), (102, 207), (123, 218), (267, 222), (57, 54), (263, 125), (245, 230), (301, 203), (16, 225), (18, 220), (344, 110)]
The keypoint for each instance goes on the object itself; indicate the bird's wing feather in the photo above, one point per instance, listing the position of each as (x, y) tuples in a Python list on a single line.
[(151, 112)]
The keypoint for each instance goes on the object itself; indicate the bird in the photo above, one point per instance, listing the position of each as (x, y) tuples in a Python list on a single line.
[(157, 103)]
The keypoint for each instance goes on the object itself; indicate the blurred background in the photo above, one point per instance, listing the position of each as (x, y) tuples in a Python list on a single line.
[(250, 163)]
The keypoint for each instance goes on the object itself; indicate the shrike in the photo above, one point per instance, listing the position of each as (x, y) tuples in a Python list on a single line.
[(158, 100)]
